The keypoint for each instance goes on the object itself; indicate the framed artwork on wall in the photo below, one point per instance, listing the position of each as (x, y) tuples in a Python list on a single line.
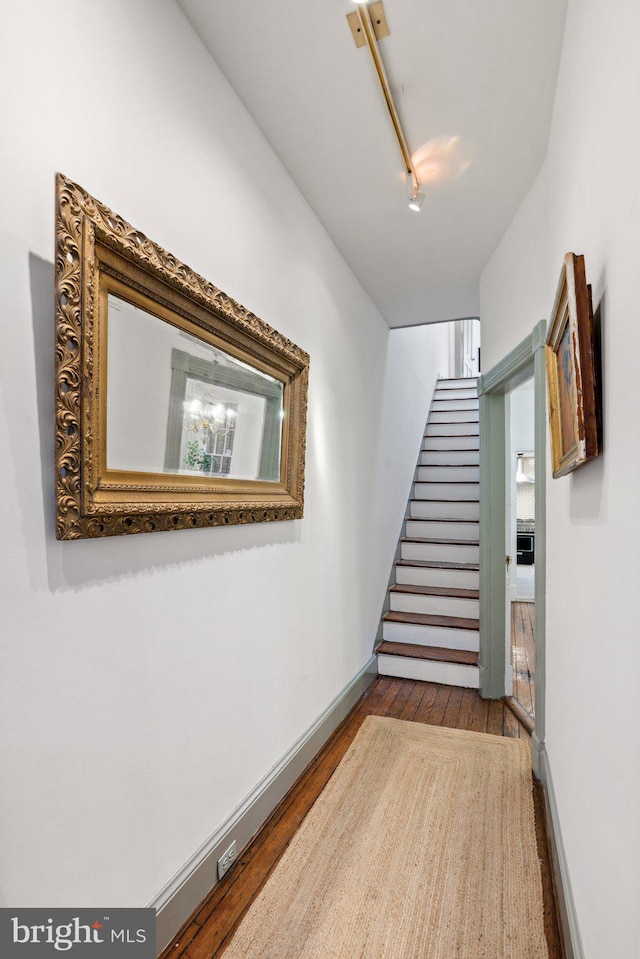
[(175, 406), (572, 372)]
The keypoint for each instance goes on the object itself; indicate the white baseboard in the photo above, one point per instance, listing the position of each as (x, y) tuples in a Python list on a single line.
[(537, 749), (566, 907), (178, 899)]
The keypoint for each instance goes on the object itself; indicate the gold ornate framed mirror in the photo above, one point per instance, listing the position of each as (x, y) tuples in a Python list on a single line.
[(175, 406)]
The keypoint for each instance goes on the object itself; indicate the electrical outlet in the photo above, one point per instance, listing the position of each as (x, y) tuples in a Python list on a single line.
[(227, 859)]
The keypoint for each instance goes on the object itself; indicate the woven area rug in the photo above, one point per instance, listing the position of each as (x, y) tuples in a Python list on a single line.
[(421, 846)]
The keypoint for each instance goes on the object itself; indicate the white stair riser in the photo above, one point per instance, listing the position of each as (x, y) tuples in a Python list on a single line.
[(460, 509), (447, 491), (450, 458), (440, 443), (435, 605), (461, 382), (442, 398), (432, 529), (449, 674), (449, 474), (461, 394), (428, 576), (444, 552), (452, 429), (454, 406), (454, 416), (431, 636)]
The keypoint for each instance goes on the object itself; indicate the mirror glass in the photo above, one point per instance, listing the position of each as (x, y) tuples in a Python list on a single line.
[(176, 404)]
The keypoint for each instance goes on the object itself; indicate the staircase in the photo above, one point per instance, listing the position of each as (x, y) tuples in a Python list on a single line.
[(432, 630)]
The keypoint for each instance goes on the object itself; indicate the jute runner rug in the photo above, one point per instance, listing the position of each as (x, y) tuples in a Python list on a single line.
[(421, 846)]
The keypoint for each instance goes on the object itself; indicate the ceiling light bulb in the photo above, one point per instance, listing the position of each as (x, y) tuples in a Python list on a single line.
[(362, 3), (415, 202)]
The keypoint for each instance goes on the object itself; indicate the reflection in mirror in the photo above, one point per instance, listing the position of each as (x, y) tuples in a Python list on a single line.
[(176, 404)]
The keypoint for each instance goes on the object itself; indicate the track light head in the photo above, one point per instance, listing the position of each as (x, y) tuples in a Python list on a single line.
[(416, 198)]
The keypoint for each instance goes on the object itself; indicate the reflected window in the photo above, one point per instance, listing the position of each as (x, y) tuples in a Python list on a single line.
[(210, 428), (177, 404)]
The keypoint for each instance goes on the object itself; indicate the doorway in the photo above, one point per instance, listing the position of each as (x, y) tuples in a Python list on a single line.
[(464, 347), (521, 549), (498, 579)]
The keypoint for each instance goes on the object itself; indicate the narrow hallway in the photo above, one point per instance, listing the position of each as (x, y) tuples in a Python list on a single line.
[(208, 932)]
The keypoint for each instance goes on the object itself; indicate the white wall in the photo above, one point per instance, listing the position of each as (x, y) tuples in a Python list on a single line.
[(522, 418), (515, 285), (520, 412), (522, 421), (587, 200), (149, 682)]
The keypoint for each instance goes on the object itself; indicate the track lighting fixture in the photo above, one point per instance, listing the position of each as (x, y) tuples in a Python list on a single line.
[(368, 25)]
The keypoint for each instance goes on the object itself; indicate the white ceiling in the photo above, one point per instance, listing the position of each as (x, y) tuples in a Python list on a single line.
[(482, 71)]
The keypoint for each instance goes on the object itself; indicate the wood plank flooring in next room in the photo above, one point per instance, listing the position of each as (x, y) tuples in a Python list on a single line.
[(208, 932), (523, 655)]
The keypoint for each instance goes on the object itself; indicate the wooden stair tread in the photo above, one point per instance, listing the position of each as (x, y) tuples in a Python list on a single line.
[(428, 619), (441, 542), (444, 436), (451, 502), (461, 657), (437, 564), (439, 519), (427, 499), (436, 591), (449, 482)]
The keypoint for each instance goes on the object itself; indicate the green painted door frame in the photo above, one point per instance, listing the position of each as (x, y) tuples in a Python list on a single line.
[(526, 360)]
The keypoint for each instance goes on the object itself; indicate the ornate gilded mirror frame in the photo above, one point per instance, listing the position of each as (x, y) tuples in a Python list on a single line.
[(98, 255)]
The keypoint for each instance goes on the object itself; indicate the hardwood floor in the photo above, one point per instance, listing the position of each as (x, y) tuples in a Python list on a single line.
[(523, 656), (208, 932)]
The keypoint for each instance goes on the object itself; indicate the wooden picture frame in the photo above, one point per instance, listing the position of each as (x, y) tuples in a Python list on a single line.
[(572, 372), (106, 396)]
